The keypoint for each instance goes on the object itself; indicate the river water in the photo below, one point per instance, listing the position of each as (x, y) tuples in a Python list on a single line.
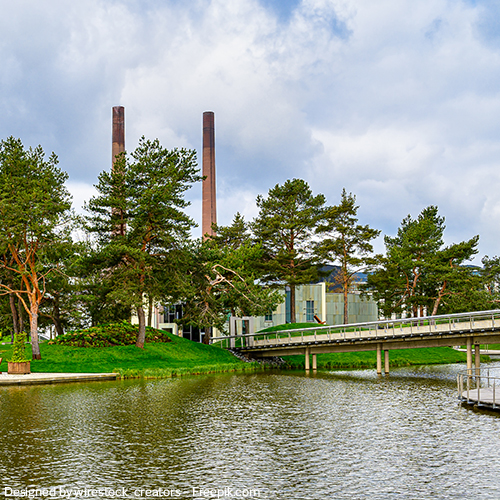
[(288, 435)]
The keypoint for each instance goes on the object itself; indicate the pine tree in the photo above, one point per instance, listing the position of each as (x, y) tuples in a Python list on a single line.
[(346, 242), (285, 227)]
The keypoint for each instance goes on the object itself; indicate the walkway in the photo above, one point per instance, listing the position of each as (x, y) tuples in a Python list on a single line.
[(53, 378), (469, 329)]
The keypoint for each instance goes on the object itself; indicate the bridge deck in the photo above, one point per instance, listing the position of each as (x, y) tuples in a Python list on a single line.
[(401, 334), (376, 333)]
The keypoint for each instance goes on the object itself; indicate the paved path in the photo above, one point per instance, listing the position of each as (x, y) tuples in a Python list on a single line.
[(53, 378), (487, 352)]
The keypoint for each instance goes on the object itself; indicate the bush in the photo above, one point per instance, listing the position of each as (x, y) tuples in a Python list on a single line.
[(19, 349), (111, 334)]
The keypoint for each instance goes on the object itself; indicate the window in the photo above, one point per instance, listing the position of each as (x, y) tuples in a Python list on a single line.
[(268, 316), (309, 310)]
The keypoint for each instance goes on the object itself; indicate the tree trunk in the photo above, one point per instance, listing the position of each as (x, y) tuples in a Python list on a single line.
[(20, 315), (208, 335), (56, 316), (438, 299), (56, 319), (346, 306), (293, 316), (15, 315), (141, 337), (35, 347), (150, 311)]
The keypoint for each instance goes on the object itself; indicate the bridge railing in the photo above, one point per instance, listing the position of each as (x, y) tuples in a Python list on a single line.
[(427, 325), (480, 386)]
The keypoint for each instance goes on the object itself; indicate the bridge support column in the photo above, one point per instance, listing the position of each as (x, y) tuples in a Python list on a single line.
[(469, 356), (307, 359), (386, 362), (477, 359), (315, 364), (379, 359)]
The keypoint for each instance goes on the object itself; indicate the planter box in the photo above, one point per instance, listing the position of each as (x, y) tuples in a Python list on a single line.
[(19, 368)]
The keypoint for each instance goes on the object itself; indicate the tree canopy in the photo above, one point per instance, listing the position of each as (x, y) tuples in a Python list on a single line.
[(34, 219), (285, 227), (140, 223), (346, 242), (419, 275)]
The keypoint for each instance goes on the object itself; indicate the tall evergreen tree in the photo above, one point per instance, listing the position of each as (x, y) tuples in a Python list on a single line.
[(285, 228), (34, 217), (347, 243), (418, 275), (139, 219)]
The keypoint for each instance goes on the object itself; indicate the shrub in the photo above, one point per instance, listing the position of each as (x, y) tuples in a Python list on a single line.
[(19, 349), (111, 334)]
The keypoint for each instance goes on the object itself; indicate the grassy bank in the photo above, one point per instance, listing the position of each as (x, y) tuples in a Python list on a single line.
[(156, 360), (182, 357)]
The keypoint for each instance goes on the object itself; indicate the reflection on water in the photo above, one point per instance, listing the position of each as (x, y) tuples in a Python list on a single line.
[(337, 435)]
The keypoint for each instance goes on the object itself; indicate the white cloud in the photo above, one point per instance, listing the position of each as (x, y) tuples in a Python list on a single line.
[(396, 100)]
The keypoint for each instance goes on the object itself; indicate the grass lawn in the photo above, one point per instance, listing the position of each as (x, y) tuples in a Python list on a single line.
[(178, 357), (183, 357)]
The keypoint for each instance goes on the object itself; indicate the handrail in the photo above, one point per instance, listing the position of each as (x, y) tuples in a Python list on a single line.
[(486, 385), (373, 328)]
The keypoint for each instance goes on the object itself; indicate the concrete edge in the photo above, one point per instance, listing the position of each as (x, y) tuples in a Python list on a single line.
[(54, 378)]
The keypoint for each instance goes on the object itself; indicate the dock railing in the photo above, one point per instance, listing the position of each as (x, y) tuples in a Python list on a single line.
[(479, 387)]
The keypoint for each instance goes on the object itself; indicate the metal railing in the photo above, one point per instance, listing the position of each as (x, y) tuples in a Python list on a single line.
[(393, 328), (479, 387)]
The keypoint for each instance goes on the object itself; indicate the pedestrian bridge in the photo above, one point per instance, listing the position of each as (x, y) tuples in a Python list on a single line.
[(472, 328)]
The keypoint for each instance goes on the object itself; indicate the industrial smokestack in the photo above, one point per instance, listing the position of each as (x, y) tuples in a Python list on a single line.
[(117, 147), (209, 211)]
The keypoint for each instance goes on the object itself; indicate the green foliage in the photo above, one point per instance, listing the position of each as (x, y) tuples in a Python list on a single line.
[(113, 334), (19, 349), (419, 276), (139, 220), (34, 218), (490, 275), (285, 227), (224, 277), (346, 242)]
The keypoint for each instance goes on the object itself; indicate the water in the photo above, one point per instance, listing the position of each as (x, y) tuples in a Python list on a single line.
[(338, 435)]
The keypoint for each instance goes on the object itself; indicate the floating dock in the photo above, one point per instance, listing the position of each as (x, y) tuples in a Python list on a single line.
[(482, 397), (480, 388), (53, 378)]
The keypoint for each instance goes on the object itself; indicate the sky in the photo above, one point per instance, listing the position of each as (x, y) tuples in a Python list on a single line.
[(396, 101)]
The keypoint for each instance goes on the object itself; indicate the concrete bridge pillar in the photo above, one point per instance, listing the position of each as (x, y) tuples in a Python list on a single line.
[(469, 356), (307, 359), (477, 359), (379, 359), (386, 362), (315, 364)]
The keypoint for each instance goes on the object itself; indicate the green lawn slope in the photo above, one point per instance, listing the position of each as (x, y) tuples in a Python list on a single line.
[(156, 360), (177, 356)]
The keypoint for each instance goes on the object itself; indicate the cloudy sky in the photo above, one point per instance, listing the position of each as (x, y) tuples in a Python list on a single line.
[(397, 101)]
